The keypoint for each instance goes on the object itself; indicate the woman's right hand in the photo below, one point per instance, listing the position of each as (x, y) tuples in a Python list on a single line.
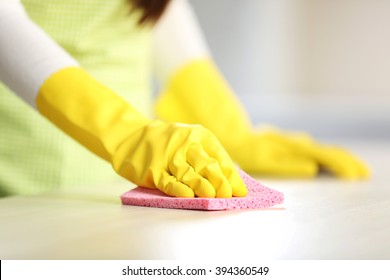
[(178, 159)]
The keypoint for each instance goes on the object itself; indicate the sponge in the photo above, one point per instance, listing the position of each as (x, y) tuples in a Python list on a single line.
[(258, 196)]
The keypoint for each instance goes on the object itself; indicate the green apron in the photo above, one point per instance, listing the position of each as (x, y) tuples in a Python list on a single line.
[(104, 37)]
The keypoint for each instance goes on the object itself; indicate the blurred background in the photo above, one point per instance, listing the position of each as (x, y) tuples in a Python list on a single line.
[(322, 66)]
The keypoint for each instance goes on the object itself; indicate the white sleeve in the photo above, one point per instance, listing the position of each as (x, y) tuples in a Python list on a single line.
[(177, 39), (28, 56)]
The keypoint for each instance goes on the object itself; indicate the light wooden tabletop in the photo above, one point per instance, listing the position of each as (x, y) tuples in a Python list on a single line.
[(320, 219)]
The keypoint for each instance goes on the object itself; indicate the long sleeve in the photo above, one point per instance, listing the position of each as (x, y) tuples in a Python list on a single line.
[(177, 40), (28, 56)]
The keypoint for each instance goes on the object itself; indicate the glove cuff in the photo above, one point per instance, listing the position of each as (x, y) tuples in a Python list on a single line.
[(88, 111)]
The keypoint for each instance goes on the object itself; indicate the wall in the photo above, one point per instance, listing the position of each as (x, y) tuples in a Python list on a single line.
[(317, 65)]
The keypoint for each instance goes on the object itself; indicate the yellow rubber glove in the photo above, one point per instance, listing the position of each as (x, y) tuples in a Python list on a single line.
[(277, 153), (197, 94), (180, 160)]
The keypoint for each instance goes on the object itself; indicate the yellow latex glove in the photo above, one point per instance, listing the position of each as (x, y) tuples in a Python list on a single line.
[(180, 160), (197, 94), (272, 152)]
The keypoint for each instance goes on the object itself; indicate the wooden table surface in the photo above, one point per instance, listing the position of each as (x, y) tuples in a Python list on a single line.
[(324, 218)]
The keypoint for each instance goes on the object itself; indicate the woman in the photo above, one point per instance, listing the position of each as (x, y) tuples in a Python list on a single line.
[(86, 67)]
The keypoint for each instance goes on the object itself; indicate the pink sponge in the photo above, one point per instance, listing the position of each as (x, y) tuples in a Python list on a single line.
[(258, 196)]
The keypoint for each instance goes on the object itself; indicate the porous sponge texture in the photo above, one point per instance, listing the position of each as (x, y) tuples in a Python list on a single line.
[(259, 196)]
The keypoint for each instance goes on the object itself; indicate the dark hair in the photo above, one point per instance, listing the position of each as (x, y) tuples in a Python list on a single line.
[(151, 9)]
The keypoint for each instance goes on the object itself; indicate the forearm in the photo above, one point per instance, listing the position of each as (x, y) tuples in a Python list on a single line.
[(193, 89), (177, 41), (39, 71), (28, 56)]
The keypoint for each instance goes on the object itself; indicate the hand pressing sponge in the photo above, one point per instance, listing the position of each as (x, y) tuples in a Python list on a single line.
[(258, 196)]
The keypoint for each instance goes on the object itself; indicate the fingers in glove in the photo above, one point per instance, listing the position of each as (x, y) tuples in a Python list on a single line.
[(185, 173), (340, 162), (209, 168), (215, 150), (169, 185)]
